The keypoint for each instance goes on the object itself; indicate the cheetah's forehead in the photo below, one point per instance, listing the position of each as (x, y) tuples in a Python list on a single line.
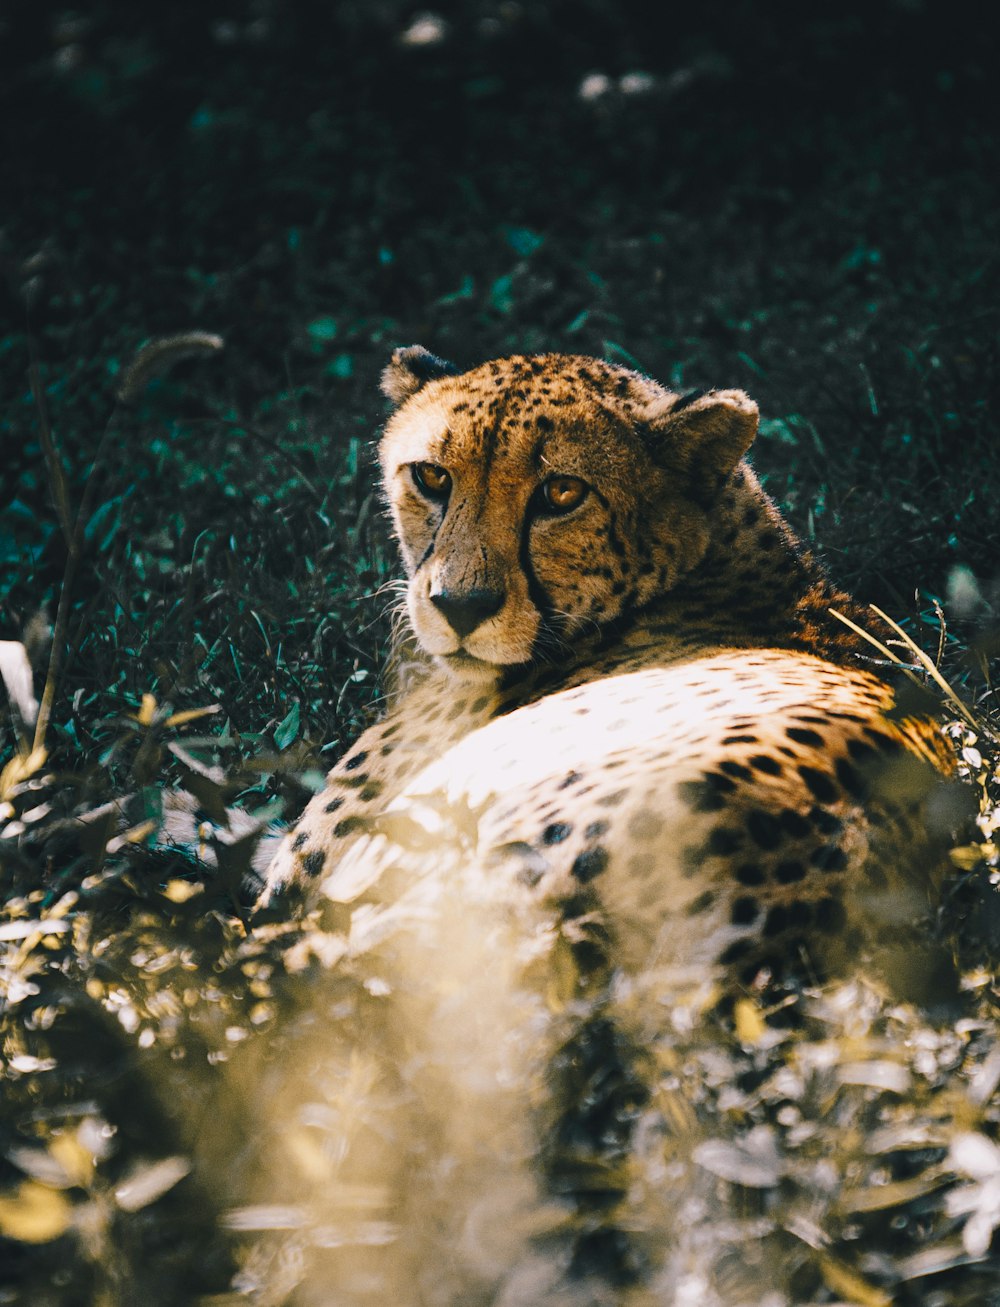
[(522, 408)]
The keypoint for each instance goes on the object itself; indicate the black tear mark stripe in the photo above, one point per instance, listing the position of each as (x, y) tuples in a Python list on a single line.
[(428, 552), (536, 591)]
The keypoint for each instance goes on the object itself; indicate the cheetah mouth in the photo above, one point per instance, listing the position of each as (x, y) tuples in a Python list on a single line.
[(467, 665), (462, 659)]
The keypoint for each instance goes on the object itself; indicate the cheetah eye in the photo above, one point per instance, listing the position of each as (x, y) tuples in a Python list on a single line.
[(432, 479), (563, 494)]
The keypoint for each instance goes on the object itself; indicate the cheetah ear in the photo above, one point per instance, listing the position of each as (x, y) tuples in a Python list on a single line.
[(411, 368), (700, 437)]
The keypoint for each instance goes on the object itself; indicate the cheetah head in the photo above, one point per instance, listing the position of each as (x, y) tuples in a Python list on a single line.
[(538, 498)]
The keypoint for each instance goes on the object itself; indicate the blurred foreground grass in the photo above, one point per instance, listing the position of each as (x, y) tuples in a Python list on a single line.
[(177, 1089)]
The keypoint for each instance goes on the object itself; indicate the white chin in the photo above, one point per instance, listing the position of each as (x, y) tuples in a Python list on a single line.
[(465, 667)]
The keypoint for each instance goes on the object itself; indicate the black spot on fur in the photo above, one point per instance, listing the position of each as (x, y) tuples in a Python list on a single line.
[(556, 833), (706, 795), (763, 762), (793, 823), (736, 952), (826, 822), (819, 783), (764, 829), (876, 876), (722, 843), (777, 920), (860, 751), (750, 874), (595, 830), (744, 911), (590, 863), (348, 826), (850, 779), (313, 863), (735, 769), (887, 743), (801, 735), (701, 904), (352, 763), (299, 841), (333, 805), (787, 873)]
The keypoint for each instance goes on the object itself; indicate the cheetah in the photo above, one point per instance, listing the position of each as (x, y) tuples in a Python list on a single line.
[(628, 747), (632, 686)]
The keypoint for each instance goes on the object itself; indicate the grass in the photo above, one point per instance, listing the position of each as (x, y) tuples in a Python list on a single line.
[(316, 191)]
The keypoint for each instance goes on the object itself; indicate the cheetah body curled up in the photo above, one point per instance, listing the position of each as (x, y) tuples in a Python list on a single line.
[(634, 689), (633, 743)]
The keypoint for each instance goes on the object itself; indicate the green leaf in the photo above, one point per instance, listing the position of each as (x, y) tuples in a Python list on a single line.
[(619, 354), (341, 367), (464, 292), (500, 294), (524, 240), (287, 730), (322, 329)]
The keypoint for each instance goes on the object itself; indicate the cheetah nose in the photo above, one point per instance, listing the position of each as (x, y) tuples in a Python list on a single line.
[(464, 610)]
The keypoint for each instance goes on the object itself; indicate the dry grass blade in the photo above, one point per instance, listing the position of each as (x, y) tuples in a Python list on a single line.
[(159, 355), (883, 649), (918, 654), (931, 670)]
